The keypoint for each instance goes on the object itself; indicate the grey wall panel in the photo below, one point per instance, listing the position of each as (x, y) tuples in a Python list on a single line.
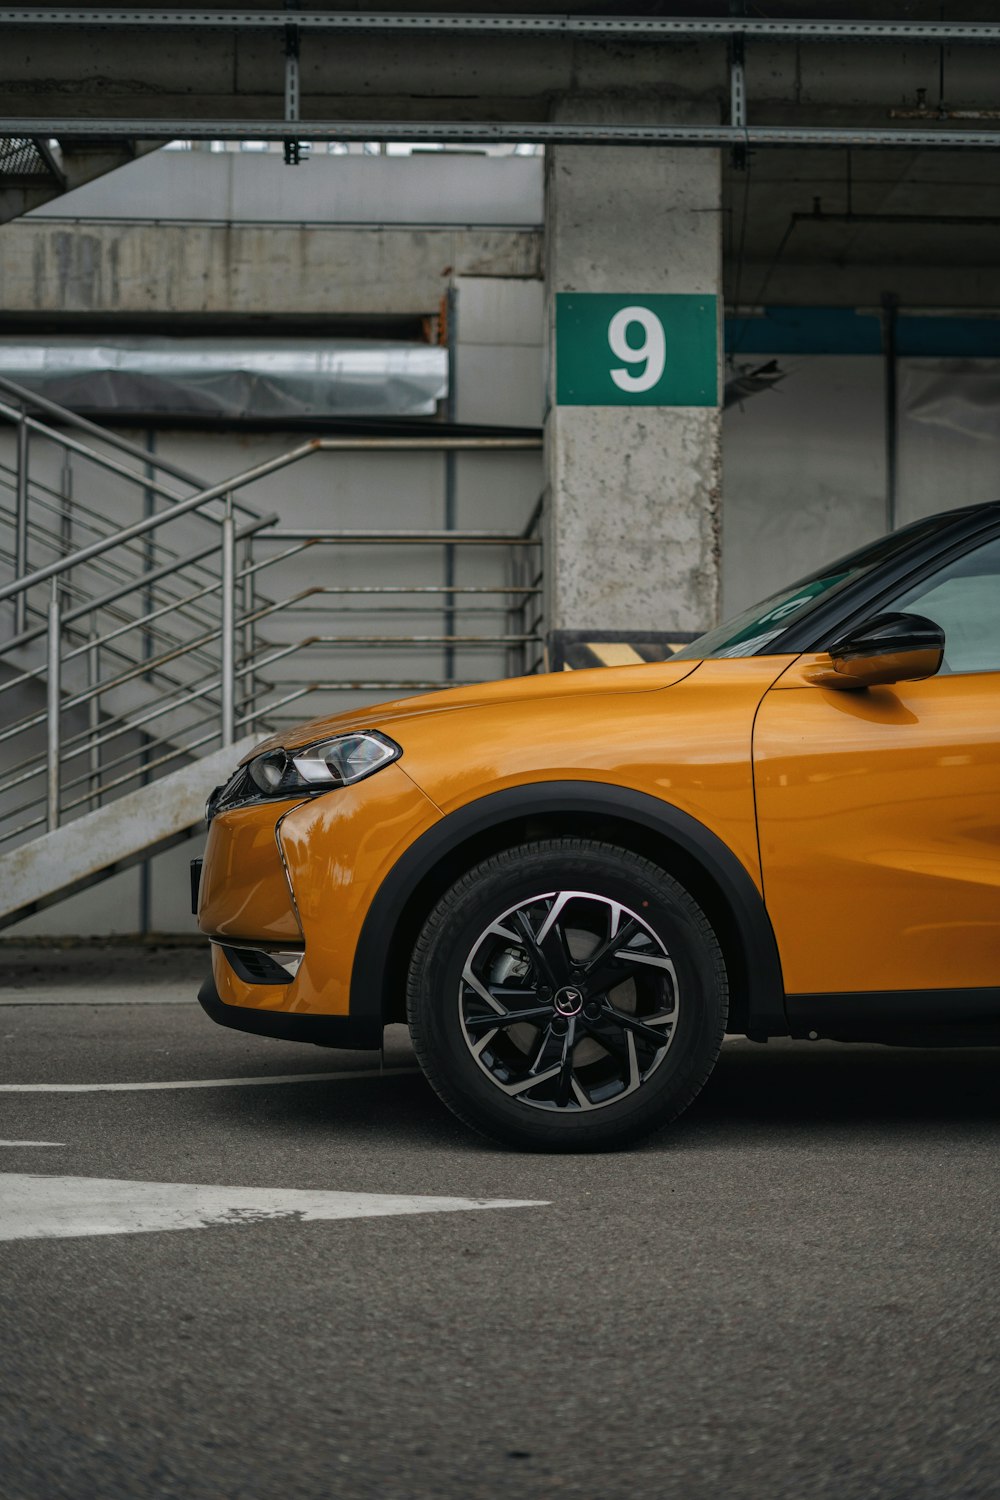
[(232, 186)]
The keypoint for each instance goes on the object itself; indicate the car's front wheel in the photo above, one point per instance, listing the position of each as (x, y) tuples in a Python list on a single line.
[(567, 995)]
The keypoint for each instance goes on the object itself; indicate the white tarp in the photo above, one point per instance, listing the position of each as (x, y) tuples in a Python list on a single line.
[(230, 378)]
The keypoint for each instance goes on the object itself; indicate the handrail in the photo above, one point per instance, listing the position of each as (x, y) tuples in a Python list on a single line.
[(72, 445), (144, 580), (152, 523), (419, 538), (187, 671), (83, 517), (250, 476), (438, 445), (73, 419)]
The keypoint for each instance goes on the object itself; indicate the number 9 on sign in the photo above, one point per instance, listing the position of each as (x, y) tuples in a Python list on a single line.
[(651, 354)]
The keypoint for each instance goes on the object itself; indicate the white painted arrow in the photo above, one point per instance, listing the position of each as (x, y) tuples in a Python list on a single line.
[(40, 1207)]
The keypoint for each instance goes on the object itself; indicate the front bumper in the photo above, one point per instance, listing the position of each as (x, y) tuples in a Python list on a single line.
[(284, 893), (356, 1032)]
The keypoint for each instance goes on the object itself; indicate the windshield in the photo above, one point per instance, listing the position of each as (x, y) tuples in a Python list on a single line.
[(753, 630)]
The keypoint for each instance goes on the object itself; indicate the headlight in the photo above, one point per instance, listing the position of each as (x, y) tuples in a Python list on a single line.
[(348, 758), (337, 762), (316, 768)]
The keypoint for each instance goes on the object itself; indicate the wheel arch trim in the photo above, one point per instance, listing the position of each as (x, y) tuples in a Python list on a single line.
[(371, 974)]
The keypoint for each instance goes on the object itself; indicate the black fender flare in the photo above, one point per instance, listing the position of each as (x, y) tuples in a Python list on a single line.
[(371, 971)]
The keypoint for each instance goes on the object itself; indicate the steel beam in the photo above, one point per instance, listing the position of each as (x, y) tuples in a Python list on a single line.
[(501, 132), (638, 28)]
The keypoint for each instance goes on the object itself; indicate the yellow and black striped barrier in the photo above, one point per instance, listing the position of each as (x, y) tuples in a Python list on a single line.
[(576, 650)]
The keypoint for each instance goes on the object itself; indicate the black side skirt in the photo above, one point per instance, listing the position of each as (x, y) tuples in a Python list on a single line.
[(923, 1017), (354, 1032)]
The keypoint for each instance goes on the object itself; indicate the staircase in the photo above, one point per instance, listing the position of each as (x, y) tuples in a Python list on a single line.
[(36, 169), (140, 657)]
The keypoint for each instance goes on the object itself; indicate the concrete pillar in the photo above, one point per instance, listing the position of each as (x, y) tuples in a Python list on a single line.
[(633, 489)]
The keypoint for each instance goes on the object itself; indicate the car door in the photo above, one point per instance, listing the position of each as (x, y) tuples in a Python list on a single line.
[(879, 818)]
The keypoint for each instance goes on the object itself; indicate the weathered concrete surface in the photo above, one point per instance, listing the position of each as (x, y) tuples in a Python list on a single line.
[(75, 853), (633, 512), (232, 269), (633, 517), (218, 73)]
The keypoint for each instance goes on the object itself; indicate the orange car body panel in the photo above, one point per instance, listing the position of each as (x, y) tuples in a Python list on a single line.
[(677, 731), (868, 820), (244, 892), (879, 817), (339, 848)]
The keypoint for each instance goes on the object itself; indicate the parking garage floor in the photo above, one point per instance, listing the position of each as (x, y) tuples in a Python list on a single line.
[(242, 1268)]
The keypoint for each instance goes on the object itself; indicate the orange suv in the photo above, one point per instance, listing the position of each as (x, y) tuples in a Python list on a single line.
[(571, 886)]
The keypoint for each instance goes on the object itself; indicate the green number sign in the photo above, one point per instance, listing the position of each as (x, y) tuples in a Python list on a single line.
[(636, 350)]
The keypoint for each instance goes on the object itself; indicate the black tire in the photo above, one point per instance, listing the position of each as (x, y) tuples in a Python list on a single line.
[(522, 934)]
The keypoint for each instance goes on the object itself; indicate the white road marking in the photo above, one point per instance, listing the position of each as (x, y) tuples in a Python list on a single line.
[(200, 1083), (32, 1143), (37, 1207)]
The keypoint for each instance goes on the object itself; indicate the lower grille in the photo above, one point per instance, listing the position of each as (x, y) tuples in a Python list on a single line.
[(256, 966)]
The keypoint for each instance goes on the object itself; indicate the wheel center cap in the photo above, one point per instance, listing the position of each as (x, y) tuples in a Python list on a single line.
[(568, 1001)]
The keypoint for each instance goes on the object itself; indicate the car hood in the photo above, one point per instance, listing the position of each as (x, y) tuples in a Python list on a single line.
[(645, 677)]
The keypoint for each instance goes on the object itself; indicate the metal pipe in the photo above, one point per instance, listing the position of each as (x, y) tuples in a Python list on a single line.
[(160, 573), (430, 538), (509, 132), (228, 722), (427, 444), (73, 419), (407, 611), (94, 718), (52, 724), (424, 588), (137, 671), (72, 445), (66, 518), (12, 833), (962, 221), (127, 726), (46, 499), (418, 640), (150, 742), (139, 528), (21, 524), (154, 765), (100, 459), (248, 589), (638, 28)]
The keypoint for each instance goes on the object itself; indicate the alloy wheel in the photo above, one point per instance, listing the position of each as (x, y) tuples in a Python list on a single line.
[(568, 1001)]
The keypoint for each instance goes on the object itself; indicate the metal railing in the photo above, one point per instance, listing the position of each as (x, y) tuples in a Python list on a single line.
[(135, 649)]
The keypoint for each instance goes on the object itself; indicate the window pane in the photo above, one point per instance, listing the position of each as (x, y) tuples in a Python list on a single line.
[(750, 632), (964, 599)]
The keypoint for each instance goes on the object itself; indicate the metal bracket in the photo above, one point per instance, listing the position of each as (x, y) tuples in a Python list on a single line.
[(296, 151), (738, 98)]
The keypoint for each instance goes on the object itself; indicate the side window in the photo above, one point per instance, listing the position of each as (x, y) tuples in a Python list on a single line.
[(964, 599)]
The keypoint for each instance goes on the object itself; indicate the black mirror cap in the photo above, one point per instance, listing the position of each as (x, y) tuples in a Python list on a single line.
[(890, 634)]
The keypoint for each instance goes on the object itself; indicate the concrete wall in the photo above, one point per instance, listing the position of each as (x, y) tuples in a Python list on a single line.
[(805, 464), (499, 362), (633, 491)]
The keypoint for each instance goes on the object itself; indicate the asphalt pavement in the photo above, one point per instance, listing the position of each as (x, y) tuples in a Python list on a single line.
[(792, 1293)]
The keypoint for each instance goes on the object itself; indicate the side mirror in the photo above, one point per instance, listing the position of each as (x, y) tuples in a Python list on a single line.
[(888, 648)]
